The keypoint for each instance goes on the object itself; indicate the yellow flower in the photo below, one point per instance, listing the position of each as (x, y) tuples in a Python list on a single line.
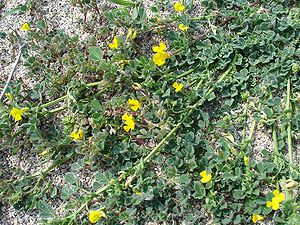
[(129, 121), (159, 48), (159, 58), (17, 113), (134, 104), (182, 27), (278, 197), (205, 177), (115, 43), (177, 86), (43, 153), (77, 135), (131, 34), (9, 96), (256, 218), (94, 215), (25, 27), (246, 160), (137, 192), (178, 7)]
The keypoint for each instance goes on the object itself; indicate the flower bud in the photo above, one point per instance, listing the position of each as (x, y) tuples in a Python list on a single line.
[(245, 95), (137, 86), (295, 68)]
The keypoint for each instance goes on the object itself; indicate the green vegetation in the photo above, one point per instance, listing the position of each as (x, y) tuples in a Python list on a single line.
[(147, 121)]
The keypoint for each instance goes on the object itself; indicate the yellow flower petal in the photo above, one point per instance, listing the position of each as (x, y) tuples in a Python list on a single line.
[(17, 113), (94, 216), (269, 204), (246, 160), (137, 192), (160, 48), (134, 104), (129, 122), (275, 205), (203, 173), (25, 27), (256, 218), (281, 197), (205, 177), (159, 58), (177, 86), (182, 27), (125, 116), (276, 192), (178, 7), (115, 43), (77, 135), (126, 128)]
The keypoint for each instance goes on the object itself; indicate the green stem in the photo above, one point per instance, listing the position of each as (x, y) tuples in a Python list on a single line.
[(51, 103), (245, 121), (57, 109), (63, 97), (289, 116), (56, 163), (177, 77), (251, 133), (184, 74), (275, 143)]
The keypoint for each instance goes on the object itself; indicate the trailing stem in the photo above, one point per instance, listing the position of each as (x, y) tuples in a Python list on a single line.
[(288, 108), (44, 172), (275, 143), (64, 97)]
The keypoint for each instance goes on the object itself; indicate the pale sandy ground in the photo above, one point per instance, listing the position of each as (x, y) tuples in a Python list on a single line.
[(61, 14)]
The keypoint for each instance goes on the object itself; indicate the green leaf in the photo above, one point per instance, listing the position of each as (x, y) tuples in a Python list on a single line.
[(238, 194), (53, 192), (221, 123), (135, 13), (122, 2), (261, 167), (67, 191), (226, 221), (71, 178), (268, 111), (46, 210), (95, 53), (41, 24), (199, 190), (103, 178), (189, 137), (97, 117), (211, 96), (3, 35), (21, 8), (96, 105), (270, 167)]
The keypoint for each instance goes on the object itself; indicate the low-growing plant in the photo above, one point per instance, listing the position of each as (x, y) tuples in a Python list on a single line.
[(163, 110)]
